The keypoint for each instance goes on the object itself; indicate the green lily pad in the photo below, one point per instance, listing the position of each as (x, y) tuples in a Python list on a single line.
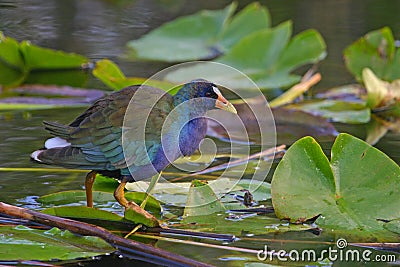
[(239, 224), (9, 52), (75, 196), (335, 110), (105, 184), (203, 35), (267, 56), (23, 243), (376, 50), (82, 212), (202, 200), (39, 58), (19, 60), (393, 226), (177, 193), (349, 193), (111, 75)]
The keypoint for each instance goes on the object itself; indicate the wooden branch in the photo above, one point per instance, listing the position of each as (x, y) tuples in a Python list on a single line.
[(155, 254)]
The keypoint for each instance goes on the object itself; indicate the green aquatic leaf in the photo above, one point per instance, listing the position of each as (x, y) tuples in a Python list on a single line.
[(335, 110), (350, 194), (105, 184), (202, 200), (82, 212), (139, 218), (177, 193), (10, 53), (11, 62), (62, 77), (393, 226), (19, 60), (23, 243), (259, 50), (76, 196), (239, 224), (375, 50), (39, 58), (261, 56), (252, 18), (10, 76), (111, 75), (203, 35)]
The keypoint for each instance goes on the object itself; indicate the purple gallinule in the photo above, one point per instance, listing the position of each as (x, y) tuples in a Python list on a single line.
[(94, 140)]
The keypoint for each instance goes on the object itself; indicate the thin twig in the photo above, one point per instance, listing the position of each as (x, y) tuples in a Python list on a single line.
[(161, 256), (297, 90), (271, 152)]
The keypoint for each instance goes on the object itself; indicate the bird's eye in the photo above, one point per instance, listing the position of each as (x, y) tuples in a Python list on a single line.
[(208, 94)]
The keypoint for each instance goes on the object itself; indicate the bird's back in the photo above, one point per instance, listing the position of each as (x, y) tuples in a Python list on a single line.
[(93, 140)]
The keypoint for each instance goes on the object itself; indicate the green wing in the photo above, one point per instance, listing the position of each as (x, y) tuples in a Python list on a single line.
[(98, 131)]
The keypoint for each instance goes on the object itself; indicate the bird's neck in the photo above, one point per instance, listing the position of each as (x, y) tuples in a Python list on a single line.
[(191, 135)]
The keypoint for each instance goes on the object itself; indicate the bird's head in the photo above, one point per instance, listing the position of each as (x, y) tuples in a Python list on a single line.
[(205, 93)]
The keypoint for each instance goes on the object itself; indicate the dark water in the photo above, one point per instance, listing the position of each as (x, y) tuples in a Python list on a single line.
[(100, 29)]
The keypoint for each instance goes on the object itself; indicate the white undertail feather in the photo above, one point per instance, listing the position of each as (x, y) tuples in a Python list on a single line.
[(56, 142), (35, 155), (50, 143)]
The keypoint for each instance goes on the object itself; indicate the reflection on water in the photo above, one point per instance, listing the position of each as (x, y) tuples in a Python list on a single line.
[(20, 135)]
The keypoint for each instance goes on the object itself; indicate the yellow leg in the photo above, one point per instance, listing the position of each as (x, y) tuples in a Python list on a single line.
[(119, 195), (90, 177)]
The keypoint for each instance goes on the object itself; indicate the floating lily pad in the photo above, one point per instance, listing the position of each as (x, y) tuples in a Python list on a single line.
[(376, 50), (335, 110), (393, 226), (240, 224), (76, 196), (202, 200), (267, 56), (349, 194), (18, 60), (23, 243), (39, 58), (82, 212), (177, 193), (204, 35), (111, 75)]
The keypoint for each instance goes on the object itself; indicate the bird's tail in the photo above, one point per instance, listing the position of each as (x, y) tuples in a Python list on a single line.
[(67, 157), (58, 129)]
